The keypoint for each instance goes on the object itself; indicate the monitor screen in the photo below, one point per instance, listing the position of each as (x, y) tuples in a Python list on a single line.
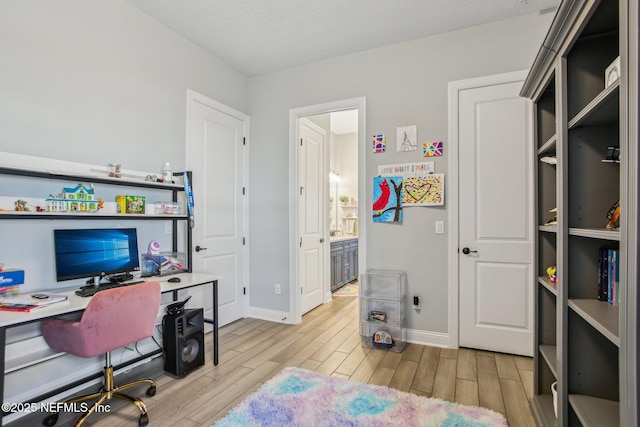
[(95, 252)]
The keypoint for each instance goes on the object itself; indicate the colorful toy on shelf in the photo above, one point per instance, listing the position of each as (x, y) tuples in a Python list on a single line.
[(115, 170), (74, 199), (551, 273), (22, 206), (154, 248), (613, 216), (130, 204)]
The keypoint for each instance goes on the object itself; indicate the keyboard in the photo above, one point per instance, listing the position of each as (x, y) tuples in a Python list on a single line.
[(91, 291)]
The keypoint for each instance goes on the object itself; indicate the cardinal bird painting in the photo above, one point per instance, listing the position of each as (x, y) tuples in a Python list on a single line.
[(387, 205)]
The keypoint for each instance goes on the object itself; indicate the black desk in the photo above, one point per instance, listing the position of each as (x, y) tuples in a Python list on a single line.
[(9, 319)]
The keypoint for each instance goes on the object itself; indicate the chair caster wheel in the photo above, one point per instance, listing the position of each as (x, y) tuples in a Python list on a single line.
[(151, 391), (51, 420), (144, 420)]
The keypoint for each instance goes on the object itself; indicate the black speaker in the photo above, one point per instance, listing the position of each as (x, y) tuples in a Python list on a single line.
[(183, 341)]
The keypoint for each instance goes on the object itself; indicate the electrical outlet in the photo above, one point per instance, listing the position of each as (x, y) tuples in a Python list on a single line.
[(439, 227), (278, 289), (416, 302)]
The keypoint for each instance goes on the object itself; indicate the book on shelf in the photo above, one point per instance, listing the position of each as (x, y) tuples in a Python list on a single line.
[(29, 302), (608, 274)]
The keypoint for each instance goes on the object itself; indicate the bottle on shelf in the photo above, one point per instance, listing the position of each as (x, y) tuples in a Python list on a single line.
[(167, 173)]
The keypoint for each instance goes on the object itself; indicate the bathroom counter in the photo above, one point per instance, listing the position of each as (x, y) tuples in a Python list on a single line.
[(334, 239)]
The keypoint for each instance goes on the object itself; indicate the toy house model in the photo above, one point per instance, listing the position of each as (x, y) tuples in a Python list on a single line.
[(77, 199)]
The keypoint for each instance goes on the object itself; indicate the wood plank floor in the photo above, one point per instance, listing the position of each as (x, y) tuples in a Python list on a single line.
[(252, 351)]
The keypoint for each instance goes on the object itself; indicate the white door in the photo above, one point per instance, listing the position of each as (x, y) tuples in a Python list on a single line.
[(495, 219), (311, 221), (215, 154)]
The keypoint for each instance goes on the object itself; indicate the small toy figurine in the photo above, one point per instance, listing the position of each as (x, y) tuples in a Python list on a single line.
[(100, 203), (551, 273), (21, 206), (613, 216)]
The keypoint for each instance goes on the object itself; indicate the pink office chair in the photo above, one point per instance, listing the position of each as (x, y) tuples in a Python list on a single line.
[(113, 319)]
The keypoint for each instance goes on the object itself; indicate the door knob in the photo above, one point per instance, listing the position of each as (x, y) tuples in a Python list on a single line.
[(321, 240), (198, 248), (468, 251)]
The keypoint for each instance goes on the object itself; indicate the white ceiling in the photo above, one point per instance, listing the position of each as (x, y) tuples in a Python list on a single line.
[(261, 36)]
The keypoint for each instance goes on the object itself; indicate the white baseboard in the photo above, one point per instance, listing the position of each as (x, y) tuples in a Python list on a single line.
[(270, 315), (435, 339), (414, 336)]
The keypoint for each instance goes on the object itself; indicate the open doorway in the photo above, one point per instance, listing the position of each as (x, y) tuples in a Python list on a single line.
[(342, 221), (339, 209)]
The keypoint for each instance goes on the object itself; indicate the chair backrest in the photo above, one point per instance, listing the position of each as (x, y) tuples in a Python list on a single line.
[(120, 316)]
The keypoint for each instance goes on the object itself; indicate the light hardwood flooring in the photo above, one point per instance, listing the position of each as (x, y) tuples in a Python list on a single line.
[(252, 351)]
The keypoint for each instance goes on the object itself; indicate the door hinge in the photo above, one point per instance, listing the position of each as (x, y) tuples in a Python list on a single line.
[(301, 291), (300, 142), (301, 189), (301, 242), (244, 291), (244, 141), (243, 191), (243, 241)]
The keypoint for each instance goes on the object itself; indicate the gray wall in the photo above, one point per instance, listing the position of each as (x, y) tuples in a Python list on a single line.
[(92, 82), (99, 81), (404, 84)]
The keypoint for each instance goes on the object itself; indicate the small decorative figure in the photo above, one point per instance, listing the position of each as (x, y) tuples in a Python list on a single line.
[(551, 273), (613, 216), (115, 170), (21, 206)]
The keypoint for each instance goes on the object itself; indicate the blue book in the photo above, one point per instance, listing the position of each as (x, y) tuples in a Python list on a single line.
[(602, 275), (609, 275), (615, 272)]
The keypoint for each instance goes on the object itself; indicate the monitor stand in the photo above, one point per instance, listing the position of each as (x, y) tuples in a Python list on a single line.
[(92, 282), (123, 277)]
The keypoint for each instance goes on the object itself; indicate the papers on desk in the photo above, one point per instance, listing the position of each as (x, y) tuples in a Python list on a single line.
[(29, 302)]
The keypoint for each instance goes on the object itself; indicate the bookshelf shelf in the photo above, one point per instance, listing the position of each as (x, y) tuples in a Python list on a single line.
[(603, 316), (548, 284), (548, 353), (542, 408), (548, 146), (595, 412), (604, 109), (548, 228), (596, 233), (80, 216)]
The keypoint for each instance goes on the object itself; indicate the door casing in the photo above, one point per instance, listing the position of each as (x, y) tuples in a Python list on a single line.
[(295, 315)]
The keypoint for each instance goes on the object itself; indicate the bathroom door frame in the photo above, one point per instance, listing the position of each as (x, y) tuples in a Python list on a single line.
[(294, 115)]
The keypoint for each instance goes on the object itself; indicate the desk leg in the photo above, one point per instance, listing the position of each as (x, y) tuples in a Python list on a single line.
[(215, 323), (3, 335)]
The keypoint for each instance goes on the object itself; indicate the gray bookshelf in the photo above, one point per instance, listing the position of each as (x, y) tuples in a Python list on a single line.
[(587, 346)]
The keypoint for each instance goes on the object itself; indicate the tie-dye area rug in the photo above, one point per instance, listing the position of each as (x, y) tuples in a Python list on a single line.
[(297, 397)]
